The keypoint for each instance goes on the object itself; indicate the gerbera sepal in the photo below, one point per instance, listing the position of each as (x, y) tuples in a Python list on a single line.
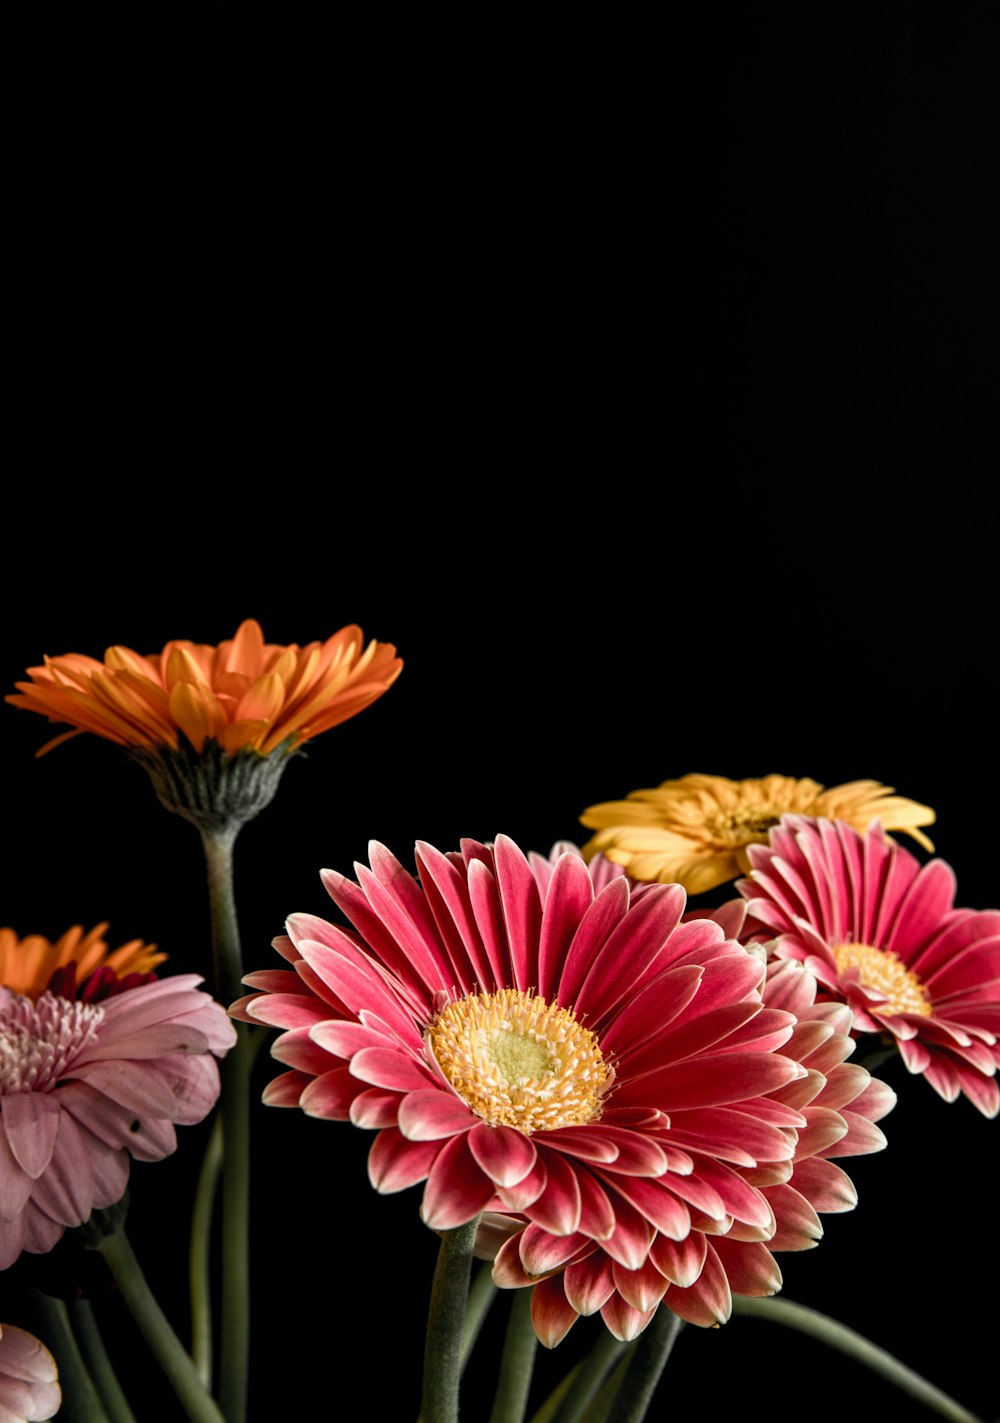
[(102, 1223), (212, 788)]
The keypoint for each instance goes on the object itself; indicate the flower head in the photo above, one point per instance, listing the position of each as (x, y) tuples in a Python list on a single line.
[(245, 694), (589, 1062), (881, 934), (696, 831), (771, 1202), (29, 1390), (86, 1082), (76, 965)]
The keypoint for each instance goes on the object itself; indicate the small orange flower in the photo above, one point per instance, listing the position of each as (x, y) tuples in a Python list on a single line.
[(27, 965), (245, 694)]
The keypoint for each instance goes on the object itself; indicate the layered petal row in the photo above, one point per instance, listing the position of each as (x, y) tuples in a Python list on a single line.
[(590, 1068), (881, 933), (244, 694)]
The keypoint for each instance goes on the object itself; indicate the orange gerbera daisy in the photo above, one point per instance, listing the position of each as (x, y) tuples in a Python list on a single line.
[(695, 830), (245, 694), (28, 966)]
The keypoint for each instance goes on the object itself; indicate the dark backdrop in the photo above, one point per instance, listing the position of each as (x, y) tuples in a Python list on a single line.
[(634, 380)]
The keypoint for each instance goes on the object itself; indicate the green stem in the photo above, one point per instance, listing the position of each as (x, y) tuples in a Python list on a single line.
[(155, 1329), (837, 1336), (88, 1336), (199, 1272), (586, 1381), (517, 1362), (600, 1409), (80, 1402), (235, 1075), (481, 1296), (445, 1320), (647, 1364)]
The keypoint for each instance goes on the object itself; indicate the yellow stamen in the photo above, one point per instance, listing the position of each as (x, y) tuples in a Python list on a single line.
[(518, 1061), (885, 971)]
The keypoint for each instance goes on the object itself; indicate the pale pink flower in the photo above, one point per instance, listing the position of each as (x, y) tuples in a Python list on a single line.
[(881, 934), (828, 1111), (86, 1085), (29, 1391), (591, 1063)]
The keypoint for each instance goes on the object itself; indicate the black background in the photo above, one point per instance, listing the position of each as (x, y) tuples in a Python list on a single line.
[(635, 380)]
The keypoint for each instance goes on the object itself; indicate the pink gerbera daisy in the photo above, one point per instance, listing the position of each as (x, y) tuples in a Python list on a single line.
[(531, 1055), (29, 1390), (882, 934), (827, 1112), (84, 1085)]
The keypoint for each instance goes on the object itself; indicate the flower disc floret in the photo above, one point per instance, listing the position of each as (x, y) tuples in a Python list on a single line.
[(518, 1061)]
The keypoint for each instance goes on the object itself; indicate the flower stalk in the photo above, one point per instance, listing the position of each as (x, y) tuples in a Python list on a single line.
[(847, 1341), (199, 1269), (100, 1367), (155, 1328), (80, 1401), (647, 1364), (445, 1321), (235, 1075), (517, 1362)]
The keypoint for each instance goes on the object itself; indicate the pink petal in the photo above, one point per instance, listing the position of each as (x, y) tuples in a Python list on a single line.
[(31, 1124), (395, 1163), (506, 1155), (624, 1322), (551, 1313), (522, 910), (541, 1252), (558, 1208), (484, 897), (750, 1267), (590, 1283), (457, 1188), (679, 1261), (374, 1109), (708, 1301), (384, 1067), (432, 1113), (286, 1089), (595, 928), (331, 1095), (642, 1289), (570, 894)]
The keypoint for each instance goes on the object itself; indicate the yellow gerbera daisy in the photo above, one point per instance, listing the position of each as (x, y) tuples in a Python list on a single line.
[(694, 830)]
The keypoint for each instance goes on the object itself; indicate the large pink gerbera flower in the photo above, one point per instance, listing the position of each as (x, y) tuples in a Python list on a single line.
[(84, 1085), (769, 1205), (882, 934), (529, 1056), (29, 1388)]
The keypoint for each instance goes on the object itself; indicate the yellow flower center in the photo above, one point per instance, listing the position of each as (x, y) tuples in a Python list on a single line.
[(743, 827), (518, 1061), (884, 970)]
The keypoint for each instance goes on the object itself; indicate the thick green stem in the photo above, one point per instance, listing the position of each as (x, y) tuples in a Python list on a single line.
[(155, 1328), (481, 1296), (445, 1320), (199, 1259), (80, 1402), (517, 1362), (101, 1369), (855, 1346), (578, 1395), (235, 1074), (647, 1364)]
